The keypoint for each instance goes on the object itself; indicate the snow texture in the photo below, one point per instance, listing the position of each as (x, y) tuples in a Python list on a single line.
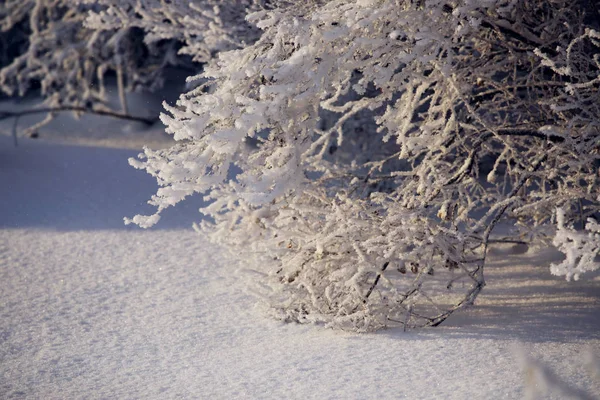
[(90, 308)]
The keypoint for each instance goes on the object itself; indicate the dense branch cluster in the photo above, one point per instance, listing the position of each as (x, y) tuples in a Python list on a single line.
[(359, 131), (360, 153), (365, 150), (71, 48), (67, 60)]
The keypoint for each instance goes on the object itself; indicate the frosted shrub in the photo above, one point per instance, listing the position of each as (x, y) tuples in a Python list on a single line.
[(360, 152)]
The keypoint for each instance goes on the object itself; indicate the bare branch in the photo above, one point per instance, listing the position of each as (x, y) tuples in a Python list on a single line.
[(106, 113)]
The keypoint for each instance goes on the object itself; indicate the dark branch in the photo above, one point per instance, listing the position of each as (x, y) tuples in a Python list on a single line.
[(533, 133), (15, 114), (385, 265)]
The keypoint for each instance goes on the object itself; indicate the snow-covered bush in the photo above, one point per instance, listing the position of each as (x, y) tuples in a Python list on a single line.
[(362, 151)]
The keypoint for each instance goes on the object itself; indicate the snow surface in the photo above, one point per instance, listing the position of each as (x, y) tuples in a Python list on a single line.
[(90, 308)]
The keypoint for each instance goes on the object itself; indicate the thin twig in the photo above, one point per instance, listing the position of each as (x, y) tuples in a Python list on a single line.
[(14, 114), (512, 194), (510, 241)]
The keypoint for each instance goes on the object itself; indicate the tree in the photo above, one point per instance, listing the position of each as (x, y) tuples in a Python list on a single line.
[(363, 151)]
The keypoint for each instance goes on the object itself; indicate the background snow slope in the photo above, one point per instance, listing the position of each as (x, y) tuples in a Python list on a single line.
[(90, 308)]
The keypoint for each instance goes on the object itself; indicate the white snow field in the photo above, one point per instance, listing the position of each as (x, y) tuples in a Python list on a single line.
[(92, 309)]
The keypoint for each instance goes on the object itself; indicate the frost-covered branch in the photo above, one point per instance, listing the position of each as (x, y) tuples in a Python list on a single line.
[(67, 61), (203, 28), (541, 381), (106, 113), (581, 249)]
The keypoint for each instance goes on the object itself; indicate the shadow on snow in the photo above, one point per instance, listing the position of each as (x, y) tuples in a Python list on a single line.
[(62, 187)]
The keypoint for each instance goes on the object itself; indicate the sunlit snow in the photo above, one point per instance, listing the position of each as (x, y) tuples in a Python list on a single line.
[(91, 308)]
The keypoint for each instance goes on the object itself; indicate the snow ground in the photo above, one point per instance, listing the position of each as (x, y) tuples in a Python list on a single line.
[(90, 308)]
